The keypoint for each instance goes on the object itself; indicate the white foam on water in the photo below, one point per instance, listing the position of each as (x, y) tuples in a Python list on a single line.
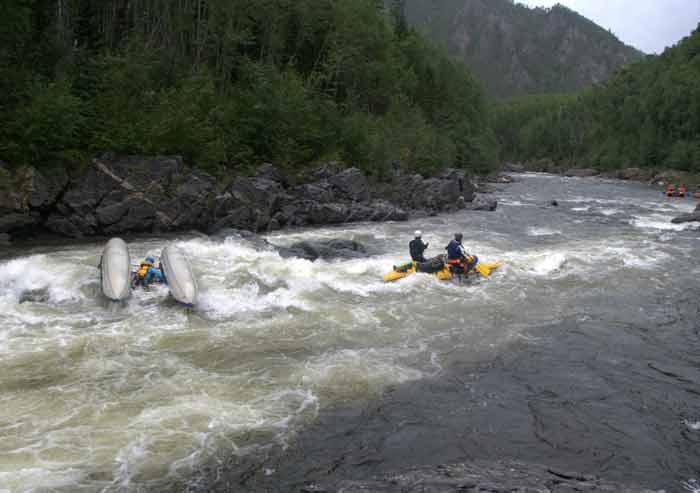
[(37, 273), (692, 425), (658, 222), (581, 209), (610, 212), (535, 231)]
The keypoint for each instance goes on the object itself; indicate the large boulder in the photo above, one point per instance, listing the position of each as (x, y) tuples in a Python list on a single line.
[(482, 204), (329, 213), (270, 172), (325, 249), (351, 184)]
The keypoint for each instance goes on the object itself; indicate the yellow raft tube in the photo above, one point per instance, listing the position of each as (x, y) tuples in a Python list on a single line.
[(401, 271)]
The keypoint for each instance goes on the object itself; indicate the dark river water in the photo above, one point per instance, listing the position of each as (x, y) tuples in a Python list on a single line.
[(582, 353)]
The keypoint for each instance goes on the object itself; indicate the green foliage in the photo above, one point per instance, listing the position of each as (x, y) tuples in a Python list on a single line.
[(229, 84), (649, 116)]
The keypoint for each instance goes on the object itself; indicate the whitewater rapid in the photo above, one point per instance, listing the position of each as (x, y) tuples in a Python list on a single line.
[(96, 396)]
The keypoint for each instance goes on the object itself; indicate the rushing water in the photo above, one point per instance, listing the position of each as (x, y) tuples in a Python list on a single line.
[(102, 397)]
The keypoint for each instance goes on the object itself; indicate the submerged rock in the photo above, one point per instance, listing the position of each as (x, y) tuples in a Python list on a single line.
[(40, 295), (325, 249)]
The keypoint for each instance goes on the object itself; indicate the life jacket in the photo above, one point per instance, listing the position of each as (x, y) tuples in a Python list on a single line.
[(143, 269), (454, 251)]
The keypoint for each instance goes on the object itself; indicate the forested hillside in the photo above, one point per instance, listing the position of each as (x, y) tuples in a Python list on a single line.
[(233, 83), (517, 50), (648, 116)]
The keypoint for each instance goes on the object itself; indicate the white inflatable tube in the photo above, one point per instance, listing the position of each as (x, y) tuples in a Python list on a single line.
[(179, 276), (115, 270)]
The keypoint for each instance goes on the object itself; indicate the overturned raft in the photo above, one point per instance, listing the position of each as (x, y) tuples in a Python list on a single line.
[(115, 270), (179, 275)]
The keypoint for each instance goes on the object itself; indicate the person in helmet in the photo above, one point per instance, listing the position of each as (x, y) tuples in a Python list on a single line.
[(457, 256), (417, 247), (148, 273)]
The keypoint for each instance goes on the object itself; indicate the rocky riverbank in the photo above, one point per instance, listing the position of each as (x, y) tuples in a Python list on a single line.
[(645, 175), (158, 194)]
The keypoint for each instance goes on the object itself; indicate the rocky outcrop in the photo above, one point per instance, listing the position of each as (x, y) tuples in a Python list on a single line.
[(688, 218), (325, 249), (149, 194)]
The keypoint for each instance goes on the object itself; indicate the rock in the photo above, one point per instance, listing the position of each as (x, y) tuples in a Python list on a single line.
[(582, 172), (140, 216), (351, 184), (482, 204), (687, 218), (16, 221), (271, 172), (332, 213), (40, 295), (45, 188), (554, 203), (242, 218), (327, 170), (318, 192), (513, 168), (328, 249), (59, 224), (5, 239)]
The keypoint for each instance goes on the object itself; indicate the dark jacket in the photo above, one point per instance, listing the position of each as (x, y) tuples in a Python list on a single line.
[(417, 247), (455, 250)]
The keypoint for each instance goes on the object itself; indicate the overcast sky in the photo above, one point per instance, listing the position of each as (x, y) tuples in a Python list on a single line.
[(649, 25)]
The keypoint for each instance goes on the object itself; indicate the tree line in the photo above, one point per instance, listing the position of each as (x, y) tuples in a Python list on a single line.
[(646, 116), (232, 83)]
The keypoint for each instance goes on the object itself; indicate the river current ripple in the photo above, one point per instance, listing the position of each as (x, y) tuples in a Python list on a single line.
[(582, 352)]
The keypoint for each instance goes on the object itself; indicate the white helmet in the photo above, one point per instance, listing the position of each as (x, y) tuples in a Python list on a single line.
[(418, 233)]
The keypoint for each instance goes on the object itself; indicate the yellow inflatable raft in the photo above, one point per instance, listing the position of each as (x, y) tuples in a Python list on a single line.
[(444, 274)]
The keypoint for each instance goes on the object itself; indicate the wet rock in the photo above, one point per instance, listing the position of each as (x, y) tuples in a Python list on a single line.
[(40, 295), (687, 218), (582, 172), (554, 203), (328, 249), (5, 239), (482, 204)]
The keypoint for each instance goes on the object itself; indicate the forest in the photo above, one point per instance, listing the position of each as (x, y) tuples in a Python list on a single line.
[(648, 115), (232, 83)]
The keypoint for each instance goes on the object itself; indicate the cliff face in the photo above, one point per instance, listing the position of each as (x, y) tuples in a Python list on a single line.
[(517, 50)]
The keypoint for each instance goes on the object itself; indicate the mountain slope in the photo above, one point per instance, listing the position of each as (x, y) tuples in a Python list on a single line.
[(648, 115), (517, 50)]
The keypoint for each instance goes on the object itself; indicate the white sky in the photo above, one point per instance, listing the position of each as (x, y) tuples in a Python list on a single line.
[(649, 25)]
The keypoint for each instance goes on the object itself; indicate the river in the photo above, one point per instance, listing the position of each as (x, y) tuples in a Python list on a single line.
[(582, 351)]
